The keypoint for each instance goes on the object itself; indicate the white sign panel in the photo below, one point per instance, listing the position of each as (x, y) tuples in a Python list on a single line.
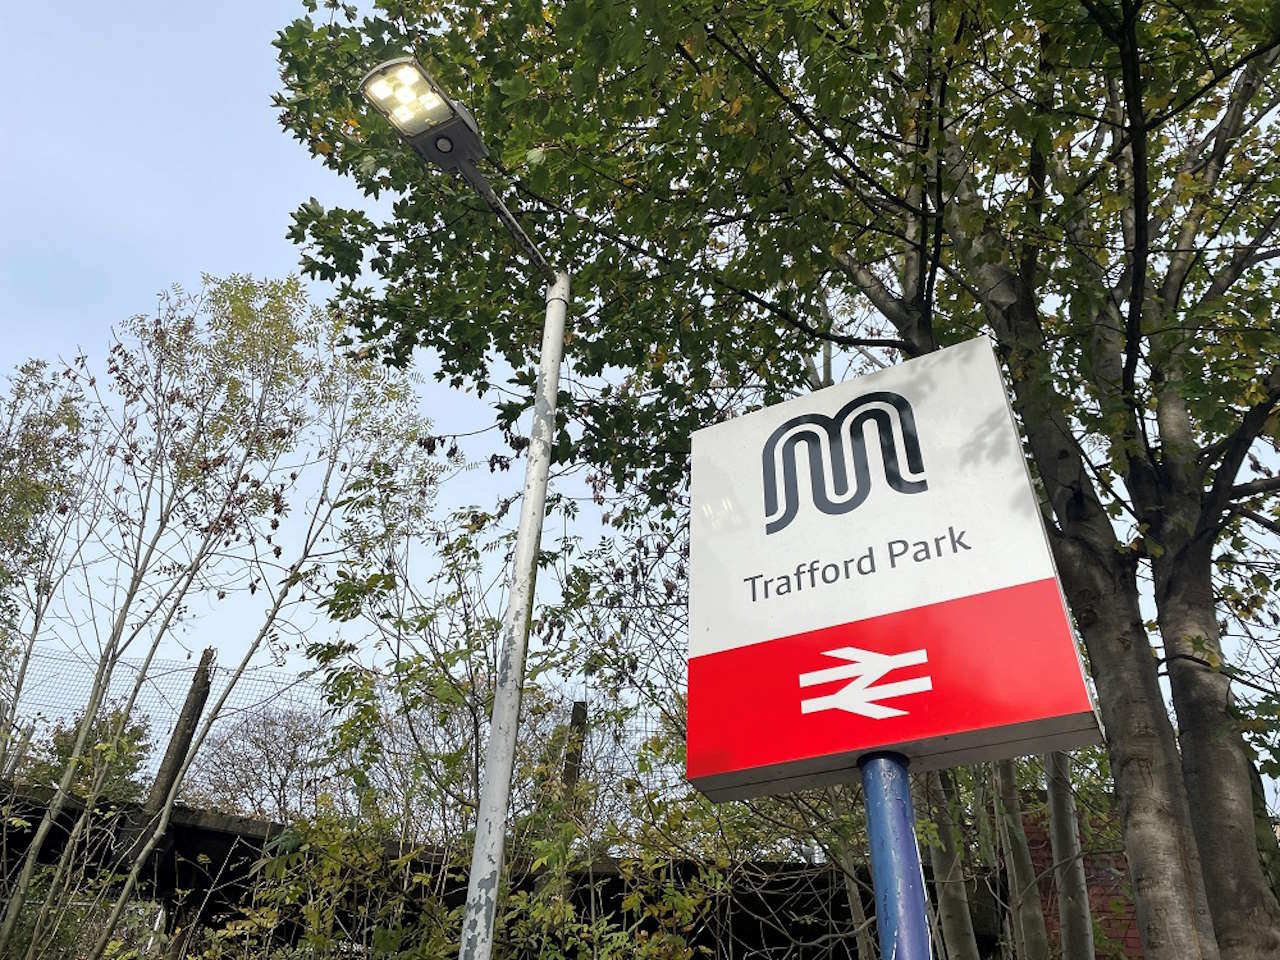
[(869, 570)]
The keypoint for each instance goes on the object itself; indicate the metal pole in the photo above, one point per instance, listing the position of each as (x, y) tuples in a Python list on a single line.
[(901, 917), (495, 794)]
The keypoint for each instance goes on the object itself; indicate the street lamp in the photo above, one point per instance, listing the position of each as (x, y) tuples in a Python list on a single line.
[(443, 132)]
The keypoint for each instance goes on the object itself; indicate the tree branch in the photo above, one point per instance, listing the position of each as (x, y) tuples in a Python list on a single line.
[(745, 58), (1224, 136), (1262, 49), (1260, 520), (893, 308), (1011, 309), (1236, 446), (1131, 82), (1247, 256), (1254, 488), (787, 316), (1221, 668), (804, 326)]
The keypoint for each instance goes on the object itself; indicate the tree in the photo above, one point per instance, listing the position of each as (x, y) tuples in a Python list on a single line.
[(272, 763), (948, 872), (39, 432), (1075, 919), (1027, 916), (216, 456), (116, 750), (756, 198)]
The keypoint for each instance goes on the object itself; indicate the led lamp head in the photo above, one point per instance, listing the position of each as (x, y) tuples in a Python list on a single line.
[(437, 127), (402, 92)]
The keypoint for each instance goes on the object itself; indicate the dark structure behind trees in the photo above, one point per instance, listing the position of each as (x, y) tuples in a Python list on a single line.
[(208, 869)]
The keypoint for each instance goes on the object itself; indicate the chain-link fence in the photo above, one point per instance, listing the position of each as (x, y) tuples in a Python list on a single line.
[(58, 683), (276, 749)]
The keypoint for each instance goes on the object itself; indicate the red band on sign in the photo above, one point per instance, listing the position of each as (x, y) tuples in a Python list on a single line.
[(986, 661)]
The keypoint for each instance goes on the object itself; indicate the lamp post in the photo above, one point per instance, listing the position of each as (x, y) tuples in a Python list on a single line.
[(444, 133)]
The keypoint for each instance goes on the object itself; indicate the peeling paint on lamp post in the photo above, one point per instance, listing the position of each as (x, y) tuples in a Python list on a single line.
[(443, 132)]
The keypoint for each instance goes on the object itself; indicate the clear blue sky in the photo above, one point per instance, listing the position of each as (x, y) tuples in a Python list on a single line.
[(138, 148)]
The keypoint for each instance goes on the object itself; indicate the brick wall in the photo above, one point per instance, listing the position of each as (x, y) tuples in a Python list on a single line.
[(1110, 897)]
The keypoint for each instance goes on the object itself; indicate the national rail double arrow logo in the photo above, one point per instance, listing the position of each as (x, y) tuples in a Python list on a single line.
[(862, 695)]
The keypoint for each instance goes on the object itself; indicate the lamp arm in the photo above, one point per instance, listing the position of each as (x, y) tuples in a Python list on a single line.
[(481, 185)]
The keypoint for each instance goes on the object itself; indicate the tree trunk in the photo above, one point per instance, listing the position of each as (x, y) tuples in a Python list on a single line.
[(180, 922), (1024, 892), (1101, 584), (935, 931), (132, 824), (1215, 762), (1012, 945), (948, 873), (1009, 949), (53, 809), (983, 815), (153, 834), (1164, 862), (1264, 829), (1075, 922), (864, 944)]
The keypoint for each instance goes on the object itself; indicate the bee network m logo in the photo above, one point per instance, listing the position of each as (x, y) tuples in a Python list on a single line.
[(836, 448)]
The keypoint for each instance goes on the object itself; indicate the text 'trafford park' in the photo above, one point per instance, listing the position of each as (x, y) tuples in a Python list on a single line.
[(817, 573)]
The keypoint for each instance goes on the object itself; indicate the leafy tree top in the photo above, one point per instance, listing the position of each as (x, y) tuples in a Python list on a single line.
[(733, 187)]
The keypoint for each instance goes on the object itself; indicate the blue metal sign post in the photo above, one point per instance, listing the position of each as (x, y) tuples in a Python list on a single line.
[(901, 917)]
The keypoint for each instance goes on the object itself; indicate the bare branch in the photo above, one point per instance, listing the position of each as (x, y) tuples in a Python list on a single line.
[(893, 308)]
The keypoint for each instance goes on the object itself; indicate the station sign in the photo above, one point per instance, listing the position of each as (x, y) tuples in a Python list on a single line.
[(869, 571)]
